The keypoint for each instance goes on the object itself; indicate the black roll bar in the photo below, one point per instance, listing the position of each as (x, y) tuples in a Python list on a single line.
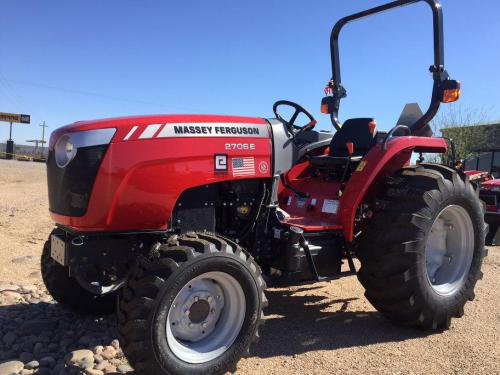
[(437, 69)]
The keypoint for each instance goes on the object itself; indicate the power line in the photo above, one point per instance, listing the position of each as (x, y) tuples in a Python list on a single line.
[(11, 92), (97, 95)]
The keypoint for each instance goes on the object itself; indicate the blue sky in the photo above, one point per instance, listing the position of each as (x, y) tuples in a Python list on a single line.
[(63, 61)]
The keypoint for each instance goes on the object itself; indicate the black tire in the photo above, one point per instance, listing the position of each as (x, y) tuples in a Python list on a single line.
[(490, 237), (146, 300), (69, 293), (392, 246)]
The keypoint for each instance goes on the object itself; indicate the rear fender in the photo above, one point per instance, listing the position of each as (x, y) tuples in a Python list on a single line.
[(375, 167)]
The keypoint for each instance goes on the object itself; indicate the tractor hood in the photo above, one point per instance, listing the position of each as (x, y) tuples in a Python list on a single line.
[(132, 127), (493, 184)]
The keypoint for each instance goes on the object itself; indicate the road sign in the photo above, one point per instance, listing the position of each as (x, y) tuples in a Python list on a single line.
[(15, 117)]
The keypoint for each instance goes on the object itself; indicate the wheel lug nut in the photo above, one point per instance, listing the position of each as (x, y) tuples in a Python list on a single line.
[(196, 299), (190, 325), (212, 311), (218, 297), (209, 299), (204, 325), (186, 312)]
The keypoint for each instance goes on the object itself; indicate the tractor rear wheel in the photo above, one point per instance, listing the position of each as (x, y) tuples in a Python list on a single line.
[(194, 307), (422, 251)]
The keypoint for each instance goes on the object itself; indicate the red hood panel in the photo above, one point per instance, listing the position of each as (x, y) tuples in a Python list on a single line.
[(120, 123), (491, 183)]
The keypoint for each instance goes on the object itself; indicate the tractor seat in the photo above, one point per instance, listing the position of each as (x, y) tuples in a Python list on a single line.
[(359, 131)]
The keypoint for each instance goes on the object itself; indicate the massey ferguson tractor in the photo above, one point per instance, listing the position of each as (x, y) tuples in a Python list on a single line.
[(485, 170), (177, 221)]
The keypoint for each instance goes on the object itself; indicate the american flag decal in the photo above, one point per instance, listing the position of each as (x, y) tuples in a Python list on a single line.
[(243, 167)]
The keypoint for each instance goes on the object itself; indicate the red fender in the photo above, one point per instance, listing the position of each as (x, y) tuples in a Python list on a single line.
[(377, 164)]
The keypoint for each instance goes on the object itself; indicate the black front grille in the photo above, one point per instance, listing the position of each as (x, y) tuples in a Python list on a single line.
[(70, 187)]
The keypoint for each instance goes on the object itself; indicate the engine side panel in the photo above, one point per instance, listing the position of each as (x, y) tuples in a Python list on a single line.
[(145, 170)]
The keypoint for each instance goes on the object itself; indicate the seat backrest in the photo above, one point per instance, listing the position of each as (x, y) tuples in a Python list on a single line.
[(357, 131)]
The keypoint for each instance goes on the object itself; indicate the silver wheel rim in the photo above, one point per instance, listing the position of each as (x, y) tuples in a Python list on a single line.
[(449, 250), (206, 317)]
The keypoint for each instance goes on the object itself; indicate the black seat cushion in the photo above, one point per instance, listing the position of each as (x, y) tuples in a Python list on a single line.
[(357, 131)]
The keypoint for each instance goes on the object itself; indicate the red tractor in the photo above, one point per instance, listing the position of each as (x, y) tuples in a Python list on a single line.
[(485, 169), (184, 217)]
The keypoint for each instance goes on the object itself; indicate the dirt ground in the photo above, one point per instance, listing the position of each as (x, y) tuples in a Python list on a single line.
[(321, 328)]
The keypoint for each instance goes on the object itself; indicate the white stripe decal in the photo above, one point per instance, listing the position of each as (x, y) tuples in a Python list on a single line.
[(129, 134), (150, 131)]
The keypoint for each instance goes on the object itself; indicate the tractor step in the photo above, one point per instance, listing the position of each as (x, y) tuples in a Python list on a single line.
[(314, 270)]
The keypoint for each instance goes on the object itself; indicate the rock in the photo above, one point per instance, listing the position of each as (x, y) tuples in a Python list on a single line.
[(26, 357), (48, 361), (119, 353), (125, 368), (98, 349), (85, 340), (59, 369), (25, 259), (102, 365), (109, 352), (9, 338), (115, 362), (44, 371), (31, 365), (11, 367), (30, 288), (36, 327), (115, 344), (110, 369), (11, 297), (82, 358), (38, 348), (93, 372)]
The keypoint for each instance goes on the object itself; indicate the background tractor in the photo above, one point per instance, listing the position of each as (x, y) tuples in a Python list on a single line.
[(485, 170), (184, 217)]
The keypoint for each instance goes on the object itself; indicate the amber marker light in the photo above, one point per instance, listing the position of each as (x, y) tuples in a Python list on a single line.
[(451, 91)]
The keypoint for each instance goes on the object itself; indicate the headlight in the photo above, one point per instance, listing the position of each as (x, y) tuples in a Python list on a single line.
[(65, 151), (67, 146)]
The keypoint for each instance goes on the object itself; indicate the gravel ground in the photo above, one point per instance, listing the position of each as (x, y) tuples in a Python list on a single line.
[(320, 328)]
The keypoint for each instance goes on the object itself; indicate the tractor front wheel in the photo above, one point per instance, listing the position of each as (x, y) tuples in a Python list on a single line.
[(194, 307), (421, 254), (69, 292)]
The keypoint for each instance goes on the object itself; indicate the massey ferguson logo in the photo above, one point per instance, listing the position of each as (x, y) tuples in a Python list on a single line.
[(216, 129)]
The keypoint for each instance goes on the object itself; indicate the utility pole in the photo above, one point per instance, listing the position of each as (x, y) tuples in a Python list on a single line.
[(43, 134)]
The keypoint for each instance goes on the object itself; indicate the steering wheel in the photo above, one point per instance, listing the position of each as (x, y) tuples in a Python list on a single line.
[(290, 124)]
